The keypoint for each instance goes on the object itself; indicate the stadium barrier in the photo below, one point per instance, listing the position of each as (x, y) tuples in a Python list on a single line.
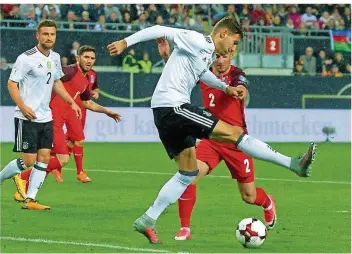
[(270, 125)]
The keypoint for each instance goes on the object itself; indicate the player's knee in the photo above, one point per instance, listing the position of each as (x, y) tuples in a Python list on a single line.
[(79, 143), (249, 198), (45, 158), (236, 132), (63, 159)]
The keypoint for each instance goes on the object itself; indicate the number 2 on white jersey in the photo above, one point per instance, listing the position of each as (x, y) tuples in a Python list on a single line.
[(246, 162), (212, 98)]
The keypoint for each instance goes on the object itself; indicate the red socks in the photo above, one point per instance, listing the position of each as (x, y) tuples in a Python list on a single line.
[(78, 154), (54, 163), (262, 198), (185, 205)]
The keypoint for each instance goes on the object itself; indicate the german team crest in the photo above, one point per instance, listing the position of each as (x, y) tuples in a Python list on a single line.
[(49, 65)]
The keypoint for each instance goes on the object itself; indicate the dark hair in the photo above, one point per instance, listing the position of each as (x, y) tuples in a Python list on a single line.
[(85, 48), (46, 23), (230, 23)]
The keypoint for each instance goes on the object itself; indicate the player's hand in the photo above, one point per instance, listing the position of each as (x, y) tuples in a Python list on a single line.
[(28, 112), (231, 91), (242, 92), (113, 115), (163, 47), (95, 94), (77, 110), (117, 47)]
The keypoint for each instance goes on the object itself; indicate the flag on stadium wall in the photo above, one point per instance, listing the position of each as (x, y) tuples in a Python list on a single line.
[(340, 40)]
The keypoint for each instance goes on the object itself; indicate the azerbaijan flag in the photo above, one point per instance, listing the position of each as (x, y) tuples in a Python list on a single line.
[(340, 40)]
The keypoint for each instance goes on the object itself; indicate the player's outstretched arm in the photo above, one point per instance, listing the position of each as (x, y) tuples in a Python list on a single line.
[(150, 33), (93, 106), (16, 97), (60, 90)]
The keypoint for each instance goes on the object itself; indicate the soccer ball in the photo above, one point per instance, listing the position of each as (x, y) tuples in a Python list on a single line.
[(251, 232)]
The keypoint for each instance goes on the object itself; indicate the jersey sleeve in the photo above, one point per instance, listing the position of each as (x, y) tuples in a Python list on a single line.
[(95, 84), (68, 73), (20, 69), (59, 71), (190, 41), (240, 79), (85, 96)]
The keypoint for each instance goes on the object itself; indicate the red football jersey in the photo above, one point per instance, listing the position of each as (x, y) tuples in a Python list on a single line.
[(222, 106), (76, 85), (93, 79)]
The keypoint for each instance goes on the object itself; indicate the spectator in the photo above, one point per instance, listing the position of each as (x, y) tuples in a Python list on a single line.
[(76, 8), (244, 15), (347, 16), (71, 18), (47, 8), (308, 19), (324, 20), (336, 16), (348, 68), (290, 24), (295, 17), (339, 62), (335, 71), (142, 21), (283, 15), (4, 66), (109, 8), (101, 26), (53, 15), (159, 20), (129, 62), (6, 9), (64, 61), (96, 10), (152, 13), (218, 10), (299, 71), (309, 61), (341, 25), (277, 21), (331, 24), (269, 16), (25, 9), (323, 63), (145, 64), (39, 10), (73, 52), (31, 19), (113, 19), (231, 11), (171, 21), (14, 14), (258, 14), (186, 23), (136, 11), (198, 24), (127, 21)]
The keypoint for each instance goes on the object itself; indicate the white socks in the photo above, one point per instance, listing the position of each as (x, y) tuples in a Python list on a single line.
[(260, 150), (171, 192), (13, 168), (36, 179)]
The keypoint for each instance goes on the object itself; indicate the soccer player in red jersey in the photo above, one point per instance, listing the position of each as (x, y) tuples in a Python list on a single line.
[(210, 153), (76, 148), (76, 83)]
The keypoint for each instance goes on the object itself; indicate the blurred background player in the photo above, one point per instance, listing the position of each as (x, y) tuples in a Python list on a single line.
[(35, 75), (76, 83), (210, 153)]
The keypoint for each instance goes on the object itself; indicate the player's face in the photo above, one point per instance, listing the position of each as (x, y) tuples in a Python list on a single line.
[(226, 42), (86, 61), (46, 37), (222, 62)]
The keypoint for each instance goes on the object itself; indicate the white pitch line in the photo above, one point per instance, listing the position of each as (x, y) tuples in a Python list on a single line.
[(170, 174), (343, 211), (20, 239)]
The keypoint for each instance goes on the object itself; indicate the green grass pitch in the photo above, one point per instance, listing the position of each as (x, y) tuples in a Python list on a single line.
[(314, 214)]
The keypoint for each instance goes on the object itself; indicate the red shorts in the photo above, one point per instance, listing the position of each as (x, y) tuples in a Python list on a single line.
[(73, 125), (241, 165)]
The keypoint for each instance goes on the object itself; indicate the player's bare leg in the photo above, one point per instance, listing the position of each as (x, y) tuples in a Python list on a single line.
[(36, 180), (258, 149), (186, 203), (169, 193), (257, 196), (77, 151)]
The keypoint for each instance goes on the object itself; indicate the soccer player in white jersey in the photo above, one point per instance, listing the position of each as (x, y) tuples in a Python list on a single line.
[(35, 74), (179, 123)]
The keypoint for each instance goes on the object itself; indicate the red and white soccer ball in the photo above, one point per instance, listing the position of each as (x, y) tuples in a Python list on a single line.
[(251, 232)]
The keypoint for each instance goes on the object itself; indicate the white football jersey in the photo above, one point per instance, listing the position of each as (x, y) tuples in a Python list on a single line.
[(35, 74), (191, 58)]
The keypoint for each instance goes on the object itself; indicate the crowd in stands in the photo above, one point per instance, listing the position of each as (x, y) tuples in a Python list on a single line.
[(130, 17), (321, 64)]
